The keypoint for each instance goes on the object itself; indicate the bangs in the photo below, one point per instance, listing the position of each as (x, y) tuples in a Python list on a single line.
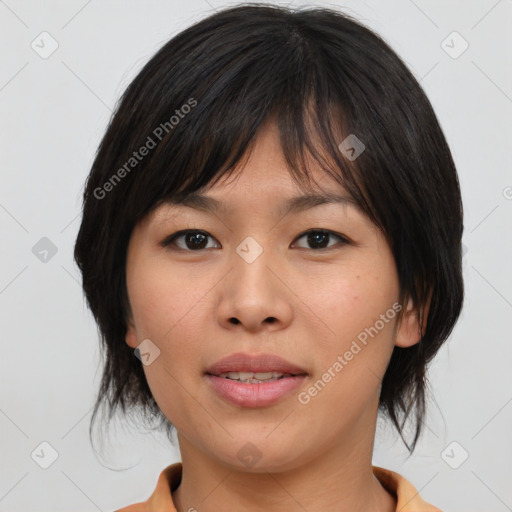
[(306, 139), (236, 96), (341, 98)]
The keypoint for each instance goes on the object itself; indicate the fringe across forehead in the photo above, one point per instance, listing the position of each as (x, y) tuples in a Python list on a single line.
[(339, 95), (218, 134)]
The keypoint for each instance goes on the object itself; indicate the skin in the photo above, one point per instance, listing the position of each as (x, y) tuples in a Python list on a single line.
[(315, 456)]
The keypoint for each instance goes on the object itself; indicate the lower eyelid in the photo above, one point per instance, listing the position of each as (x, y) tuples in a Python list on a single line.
[(341, 239), (170, 240)]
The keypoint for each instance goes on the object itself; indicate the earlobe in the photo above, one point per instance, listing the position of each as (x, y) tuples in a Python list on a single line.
[(410, 331), (131, 335)]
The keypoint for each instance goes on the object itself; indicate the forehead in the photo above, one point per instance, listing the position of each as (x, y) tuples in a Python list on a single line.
[(263, 170), (262, 181)]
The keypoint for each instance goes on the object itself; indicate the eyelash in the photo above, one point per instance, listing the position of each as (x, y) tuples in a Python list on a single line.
[(179, 234)]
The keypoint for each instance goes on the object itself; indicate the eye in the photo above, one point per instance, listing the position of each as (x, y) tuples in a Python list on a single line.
[(319, 239), (190, 240), (197, 240)]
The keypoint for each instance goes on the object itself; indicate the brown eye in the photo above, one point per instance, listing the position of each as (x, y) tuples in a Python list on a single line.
[(318, 239), (188, 240)]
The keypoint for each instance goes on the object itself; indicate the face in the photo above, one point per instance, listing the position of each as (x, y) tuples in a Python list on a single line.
[(316, 286)]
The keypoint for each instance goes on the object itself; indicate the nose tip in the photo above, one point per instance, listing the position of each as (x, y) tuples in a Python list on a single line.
[(269, 320), (253, 296)]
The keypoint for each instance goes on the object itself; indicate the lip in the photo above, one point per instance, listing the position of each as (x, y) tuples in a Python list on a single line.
[(241, 362), (254, 394)]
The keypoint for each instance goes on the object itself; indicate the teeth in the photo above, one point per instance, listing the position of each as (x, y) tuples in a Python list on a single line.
[(266, 375), (252, 377)]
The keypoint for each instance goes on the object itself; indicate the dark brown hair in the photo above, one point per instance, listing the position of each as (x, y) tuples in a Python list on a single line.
[(197, 106)]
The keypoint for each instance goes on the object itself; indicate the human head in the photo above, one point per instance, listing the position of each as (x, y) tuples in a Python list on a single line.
[(197, 107)]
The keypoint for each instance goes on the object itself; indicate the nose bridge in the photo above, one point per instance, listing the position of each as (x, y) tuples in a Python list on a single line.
[(253, 295), (252, 275), (250, 250)]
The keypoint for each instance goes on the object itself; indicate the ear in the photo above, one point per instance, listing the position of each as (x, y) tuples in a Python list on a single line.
[(410, 330), (131, 335)]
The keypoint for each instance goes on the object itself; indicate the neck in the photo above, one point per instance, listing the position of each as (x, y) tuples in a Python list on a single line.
[(340, 479)]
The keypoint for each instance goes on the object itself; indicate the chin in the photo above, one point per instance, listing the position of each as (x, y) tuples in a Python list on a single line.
[(260, 454)]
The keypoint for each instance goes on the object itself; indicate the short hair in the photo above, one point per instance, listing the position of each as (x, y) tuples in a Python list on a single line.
[(197, 106)]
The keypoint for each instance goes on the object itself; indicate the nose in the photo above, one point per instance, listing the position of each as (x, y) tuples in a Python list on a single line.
[(254, 295)]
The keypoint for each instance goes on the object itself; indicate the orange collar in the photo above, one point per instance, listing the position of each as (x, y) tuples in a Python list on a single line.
[(408, 498)]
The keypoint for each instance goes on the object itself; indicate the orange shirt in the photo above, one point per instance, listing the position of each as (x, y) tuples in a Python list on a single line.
[(408, 499)]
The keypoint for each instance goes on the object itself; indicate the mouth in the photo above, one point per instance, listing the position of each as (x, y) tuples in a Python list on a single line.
[(254, 381), (256, 377), (259, 366)]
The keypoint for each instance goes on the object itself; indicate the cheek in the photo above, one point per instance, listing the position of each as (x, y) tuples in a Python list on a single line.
[(357, 307), (352, 297), (163, 299), (169, 308)]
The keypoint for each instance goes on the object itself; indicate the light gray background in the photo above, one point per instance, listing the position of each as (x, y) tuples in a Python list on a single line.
[(53, 114)]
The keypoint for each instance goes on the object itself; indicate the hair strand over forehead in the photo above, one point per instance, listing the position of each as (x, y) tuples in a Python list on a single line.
[(321, 77)]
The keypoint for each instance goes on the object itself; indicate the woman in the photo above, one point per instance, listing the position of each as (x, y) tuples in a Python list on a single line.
[(271, 247)]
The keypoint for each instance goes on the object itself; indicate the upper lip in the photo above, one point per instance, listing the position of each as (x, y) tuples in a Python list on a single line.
[(258, 363)]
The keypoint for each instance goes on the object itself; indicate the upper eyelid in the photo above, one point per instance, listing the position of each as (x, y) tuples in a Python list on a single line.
[(182, 232), (343, 238), (178, 234)]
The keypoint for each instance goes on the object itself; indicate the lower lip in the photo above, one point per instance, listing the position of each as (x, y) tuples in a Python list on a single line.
[(254, 395)]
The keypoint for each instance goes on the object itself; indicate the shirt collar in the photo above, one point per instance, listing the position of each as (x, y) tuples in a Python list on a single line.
[(406, 495)]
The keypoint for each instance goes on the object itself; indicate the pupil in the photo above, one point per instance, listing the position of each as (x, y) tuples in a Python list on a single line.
[(197, 239), (317, 238)]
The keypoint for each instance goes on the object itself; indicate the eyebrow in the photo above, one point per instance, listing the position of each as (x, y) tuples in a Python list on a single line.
[(291, 205)]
